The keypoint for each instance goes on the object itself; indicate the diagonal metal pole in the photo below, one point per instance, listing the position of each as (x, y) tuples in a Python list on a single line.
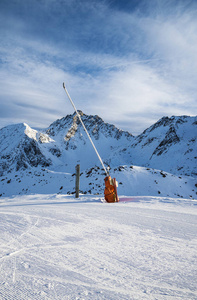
[(107, 173)]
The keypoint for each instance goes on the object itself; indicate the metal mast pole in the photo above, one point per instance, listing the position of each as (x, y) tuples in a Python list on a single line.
[(85, 129)]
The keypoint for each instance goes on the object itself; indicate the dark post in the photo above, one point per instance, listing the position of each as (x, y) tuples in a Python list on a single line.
[(77, 181)]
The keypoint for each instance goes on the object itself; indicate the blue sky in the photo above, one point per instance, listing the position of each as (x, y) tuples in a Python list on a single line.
[(130, 62)]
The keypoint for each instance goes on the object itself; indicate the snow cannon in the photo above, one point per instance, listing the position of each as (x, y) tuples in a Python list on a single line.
[(110, 184), (111, 189)]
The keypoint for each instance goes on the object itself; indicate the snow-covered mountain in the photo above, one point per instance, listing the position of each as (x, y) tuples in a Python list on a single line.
[(168, 145), (20, 148), (61, 145), (73, 146)]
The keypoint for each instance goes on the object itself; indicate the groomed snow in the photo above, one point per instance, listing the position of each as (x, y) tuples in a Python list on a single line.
[(59, 247)]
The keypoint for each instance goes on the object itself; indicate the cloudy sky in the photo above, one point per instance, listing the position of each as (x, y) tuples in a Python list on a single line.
[(128, 61)]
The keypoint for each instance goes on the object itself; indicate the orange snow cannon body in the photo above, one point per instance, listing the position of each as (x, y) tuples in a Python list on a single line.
[(110, 190)]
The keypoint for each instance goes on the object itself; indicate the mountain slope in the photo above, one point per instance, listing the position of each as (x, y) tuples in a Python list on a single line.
[(170, 145), (74, 144), (27, 155), (61, 145), (19, 148)]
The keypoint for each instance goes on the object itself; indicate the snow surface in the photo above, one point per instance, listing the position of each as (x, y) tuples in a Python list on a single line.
[(59, 247), (133, 180)]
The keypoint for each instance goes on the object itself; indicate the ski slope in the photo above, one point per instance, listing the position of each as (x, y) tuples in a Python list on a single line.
[(59, 247)]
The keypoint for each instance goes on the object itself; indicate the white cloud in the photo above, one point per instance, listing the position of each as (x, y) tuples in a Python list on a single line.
[(131, 69)]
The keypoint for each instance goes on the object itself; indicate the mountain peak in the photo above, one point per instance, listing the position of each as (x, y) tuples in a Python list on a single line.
[(93, 123)]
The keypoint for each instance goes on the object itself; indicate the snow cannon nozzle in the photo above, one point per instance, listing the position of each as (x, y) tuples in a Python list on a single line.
[(63, 85)]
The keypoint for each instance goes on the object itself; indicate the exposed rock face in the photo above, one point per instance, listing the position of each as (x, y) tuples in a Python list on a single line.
[(20, 148)]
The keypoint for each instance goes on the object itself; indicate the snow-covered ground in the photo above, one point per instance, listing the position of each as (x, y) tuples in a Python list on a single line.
[(59, 247), (134, 180)]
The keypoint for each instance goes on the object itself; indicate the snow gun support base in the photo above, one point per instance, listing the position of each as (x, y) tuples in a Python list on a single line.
[(111, 190)]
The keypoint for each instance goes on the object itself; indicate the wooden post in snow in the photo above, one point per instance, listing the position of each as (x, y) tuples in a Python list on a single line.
[(77, 181)]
